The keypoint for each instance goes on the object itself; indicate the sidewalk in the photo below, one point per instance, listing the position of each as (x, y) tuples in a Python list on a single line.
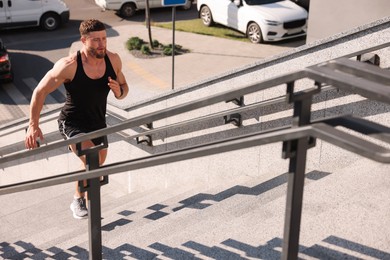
[(208, 57)]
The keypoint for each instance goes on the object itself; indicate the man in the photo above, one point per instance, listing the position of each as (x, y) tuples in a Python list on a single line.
[(88, 75)]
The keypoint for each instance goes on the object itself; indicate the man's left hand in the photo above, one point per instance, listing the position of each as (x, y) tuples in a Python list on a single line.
[(115, 87)]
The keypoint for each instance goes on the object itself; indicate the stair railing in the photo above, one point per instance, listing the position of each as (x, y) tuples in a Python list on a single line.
[(351, 76)]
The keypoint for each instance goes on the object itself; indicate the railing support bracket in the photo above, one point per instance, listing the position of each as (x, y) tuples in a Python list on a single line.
[(238, 101), (147, 139), (235, 119)]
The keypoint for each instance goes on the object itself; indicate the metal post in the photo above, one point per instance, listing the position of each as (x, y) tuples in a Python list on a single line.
[(94, 211), (93, 193), (296, 150), (295, 185), (173, 45)]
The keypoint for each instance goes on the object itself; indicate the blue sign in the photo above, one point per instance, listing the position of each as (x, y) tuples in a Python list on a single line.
[(173, 2)]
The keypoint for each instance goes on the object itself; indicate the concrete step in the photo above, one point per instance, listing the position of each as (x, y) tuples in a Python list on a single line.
[(339, 212), (243, 225), (61, 229), (269, 187), (241, 219), (166, 233)]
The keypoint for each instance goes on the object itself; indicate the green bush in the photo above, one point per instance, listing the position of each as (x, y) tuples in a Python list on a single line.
[(134, 43), (145, 49), (156, 44), (167, 49)]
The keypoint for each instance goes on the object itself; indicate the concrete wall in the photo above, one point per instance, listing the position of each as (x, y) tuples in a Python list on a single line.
[(329, 17)]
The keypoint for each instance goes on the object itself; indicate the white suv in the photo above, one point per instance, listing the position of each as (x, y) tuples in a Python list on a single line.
[(127, 8), (260, 20), (49, 14)]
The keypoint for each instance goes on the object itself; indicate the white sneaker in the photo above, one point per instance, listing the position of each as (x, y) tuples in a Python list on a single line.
[(79, 208)]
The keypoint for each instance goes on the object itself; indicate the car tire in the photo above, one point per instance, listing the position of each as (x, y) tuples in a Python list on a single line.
[(206, 16), (128, 10), (254, 33), (50, 21)]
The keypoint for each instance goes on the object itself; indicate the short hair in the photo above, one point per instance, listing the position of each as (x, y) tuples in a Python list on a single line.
[(91, 25)]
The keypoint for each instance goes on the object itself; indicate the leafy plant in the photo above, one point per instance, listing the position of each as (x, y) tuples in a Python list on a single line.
[(145, 49), (156, 44), (168, 49), (134, 43)]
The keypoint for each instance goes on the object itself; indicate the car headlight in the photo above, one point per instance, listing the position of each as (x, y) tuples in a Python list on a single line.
[(273, 23)]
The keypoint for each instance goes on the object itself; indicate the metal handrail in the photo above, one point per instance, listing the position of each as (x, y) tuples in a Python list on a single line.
[(220, 79), (318, 73), (297, 138), (175, 110), (242, 109), (164, 113), (322, 129)]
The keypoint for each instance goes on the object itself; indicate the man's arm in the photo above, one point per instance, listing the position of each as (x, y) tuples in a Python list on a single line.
[(50, 82), (119, 86)]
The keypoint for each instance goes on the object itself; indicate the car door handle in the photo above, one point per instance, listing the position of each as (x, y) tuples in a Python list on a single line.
[(1, 4), (9, 3)]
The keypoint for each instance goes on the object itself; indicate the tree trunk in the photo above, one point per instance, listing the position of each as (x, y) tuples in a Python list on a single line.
[(147, 18)]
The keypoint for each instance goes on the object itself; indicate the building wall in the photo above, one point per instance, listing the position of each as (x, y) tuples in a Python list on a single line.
[(329, 17)]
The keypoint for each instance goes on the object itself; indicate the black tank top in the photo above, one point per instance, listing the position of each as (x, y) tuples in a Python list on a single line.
[(86, 98)]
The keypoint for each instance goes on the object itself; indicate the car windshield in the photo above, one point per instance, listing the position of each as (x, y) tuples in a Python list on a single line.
[(261, 2)]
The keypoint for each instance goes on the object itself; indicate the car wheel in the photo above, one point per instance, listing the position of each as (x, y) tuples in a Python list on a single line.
[(206, 16), (127, 10), (50, 21), (254, 33)]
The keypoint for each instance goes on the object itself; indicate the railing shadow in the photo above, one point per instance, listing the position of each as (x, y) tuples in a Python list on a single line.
[(332, 247), (202, 201), (227, 249)]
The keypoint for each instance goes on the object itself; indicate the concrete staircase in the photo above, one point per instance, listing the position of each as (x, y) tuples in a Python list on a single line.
[(240, 219)]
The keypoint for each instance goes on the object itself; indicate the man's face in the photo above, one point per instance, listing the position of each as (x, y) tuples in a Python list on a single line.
[(96, 43)]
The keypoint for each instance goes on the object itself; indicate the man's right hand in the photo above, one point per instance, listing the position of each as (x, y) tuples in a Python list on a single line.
[(32, 134)]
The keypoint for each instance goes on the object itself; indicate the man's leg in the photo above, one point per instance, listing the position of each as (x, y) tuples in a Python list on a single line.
[(78, 205)]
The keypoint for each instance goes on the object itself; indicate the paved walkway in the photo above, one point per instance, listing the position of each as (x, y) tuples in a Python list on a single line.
[(208, 57)]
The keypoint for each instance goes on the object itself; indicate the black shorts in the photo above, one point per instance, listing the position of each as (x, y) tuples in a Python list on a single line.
[(71, 130)]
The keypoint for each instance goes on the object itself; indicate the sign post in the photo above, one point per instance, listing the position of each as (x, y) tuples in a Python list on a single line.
[(173, 3)]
